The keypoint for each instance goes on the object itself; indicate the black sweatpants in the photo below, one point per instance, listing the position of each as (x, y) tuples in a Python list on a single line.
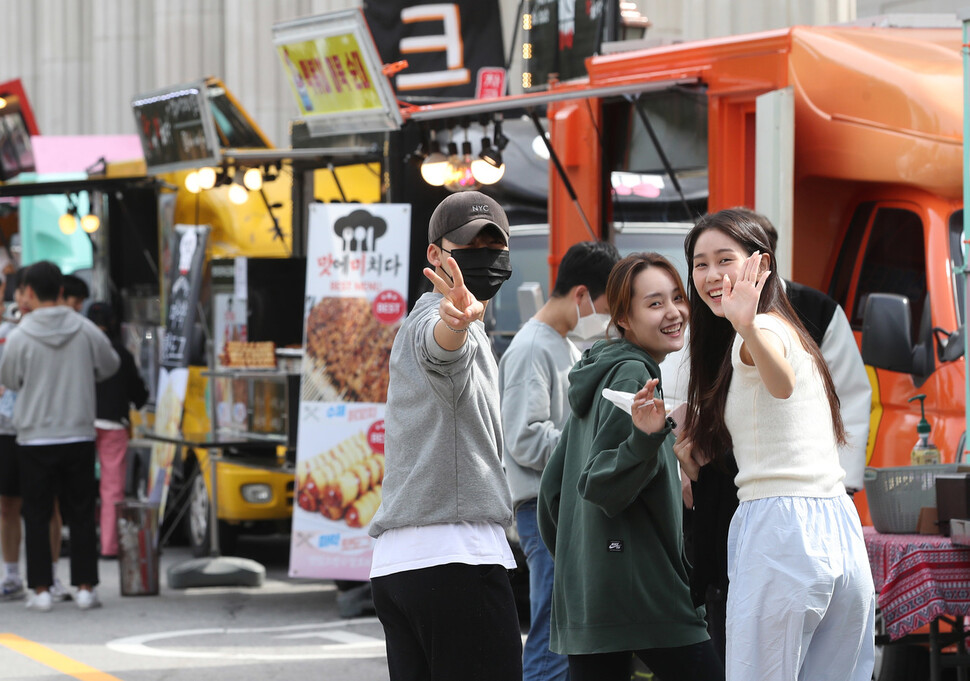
[(450, 622), (68, 471), (697, 662)]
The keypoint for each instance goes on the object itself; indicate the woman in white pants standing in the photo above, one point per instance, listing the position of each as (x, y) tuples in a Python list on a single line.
[(801, 602)]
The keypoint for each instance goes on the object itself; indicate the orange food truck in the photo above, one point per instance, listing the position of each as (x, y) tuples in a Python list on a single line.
[(848, 137), (868, 201)]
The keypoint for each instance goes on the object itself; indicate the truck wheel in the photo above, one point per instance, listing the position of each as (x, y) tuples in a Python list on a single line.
[(197, 523)]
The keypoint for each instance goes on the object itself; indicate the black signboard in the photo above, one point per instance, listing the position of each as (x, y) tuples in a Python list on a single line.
[(188, 263), (447, 45), (16, 153), (176, 128), (562, 36)]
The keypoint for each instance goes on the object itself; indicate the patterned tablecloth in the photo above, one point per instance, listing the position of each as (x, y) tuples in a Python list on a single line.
[(918, 578)]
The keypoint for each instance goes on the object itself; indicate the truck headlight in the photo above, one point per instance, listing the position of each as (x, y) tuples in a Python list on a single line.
[(258, 493)]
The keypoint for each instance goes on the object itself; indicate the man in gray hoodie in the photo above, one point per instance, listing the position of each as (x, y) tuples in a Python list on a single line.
[(439, 574), (53, 360)]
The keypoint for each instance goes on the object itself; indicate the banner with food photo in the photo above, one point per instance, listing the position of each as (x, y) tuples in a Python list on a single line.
[(356, 299)]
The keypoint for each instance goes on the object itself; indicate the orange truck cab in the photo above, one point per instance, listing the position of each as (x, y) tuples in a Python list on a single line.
[(850, 139)]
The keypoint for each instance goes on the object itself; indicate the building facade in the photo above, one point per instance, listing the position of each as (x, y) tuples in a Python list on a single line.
[(82, 61)]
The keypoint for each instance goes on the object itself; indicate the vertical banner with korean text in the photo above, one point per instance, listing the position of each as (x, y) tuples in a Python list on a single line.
[(356, 299), (186, 271)]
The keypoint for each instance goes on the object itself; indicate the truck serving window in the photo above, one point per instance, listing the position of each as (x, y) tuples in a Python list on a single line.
[(956, 264), (842, 279), (640, 187), (895, 262)]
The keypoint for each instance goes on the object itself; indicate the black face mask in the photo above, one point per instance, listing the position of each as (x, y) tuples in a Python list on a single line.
[(483, 269)]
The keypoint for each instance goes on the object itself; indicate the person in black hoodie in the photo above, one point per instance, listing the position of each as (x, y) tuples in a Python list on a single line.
[(115, 397)]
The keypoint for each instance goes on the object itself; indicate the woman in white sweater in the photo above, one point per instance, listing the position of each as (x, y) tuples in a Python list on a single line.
[(801, 600)]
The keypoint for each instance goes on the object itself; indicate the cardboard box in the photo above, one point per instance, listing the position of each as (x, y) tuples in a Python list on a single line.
[(928, 523), (952, 498), (960, 531)]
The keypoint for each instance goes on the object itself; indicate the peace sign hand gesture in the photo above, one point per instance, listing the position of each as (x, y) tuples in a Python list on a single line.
[(739, 300), (459, 308)]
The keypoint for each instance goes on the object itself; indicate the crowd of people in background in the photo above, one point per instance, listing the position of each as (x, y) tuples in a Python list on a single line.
[(584, 452), (66, 383)]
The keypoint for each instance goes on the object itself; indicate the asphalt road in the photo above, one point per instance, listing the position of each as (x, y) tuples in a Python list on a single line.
[(286, 628)]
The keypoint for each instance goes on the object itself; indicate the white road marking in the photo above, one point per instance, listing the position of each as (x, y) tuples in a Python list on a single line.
[(347, 637), (349, 645)]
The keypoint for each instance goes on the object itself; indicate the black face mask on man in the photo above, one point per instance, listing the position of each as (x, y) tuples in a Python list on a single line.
[(483, 269)]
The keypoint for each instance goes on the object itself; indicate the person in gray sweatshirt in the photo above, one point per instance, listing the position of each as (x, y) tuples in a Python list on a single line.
[(439, 573), (533, 382), (53, 359)]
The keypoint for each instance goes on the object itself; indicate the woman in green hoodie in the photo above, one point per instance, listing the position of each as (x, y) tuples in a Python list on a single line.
[(610, 506)]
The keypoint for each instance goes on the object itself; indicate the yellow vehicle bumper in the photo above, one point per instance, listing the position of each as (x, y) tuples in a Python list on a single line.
[(249, 493)]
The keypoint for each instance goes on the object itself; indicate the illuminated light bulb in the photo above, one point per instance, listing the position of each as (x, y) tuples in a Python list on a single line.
[(527, 50), (526, 79), (485, 172), (467, 180), (192, 182), (68, 223), (461, 178), (207, 178), (453, 173), (253, 179), (238, 194), (90, 223), (434, 169), (3, 102), (526, 22)]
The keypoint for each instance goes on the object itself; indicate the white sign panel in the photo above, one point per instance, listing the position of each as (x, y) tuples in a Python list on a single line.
[(356, 299)]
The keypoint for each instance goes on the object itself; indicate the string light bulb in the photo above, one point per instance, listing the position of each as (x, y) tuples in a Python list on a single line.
[(253, 179), (488, 168), (207, 178), (90, 223), (434, 167), (238, 194), (68, 221), (192, 182)]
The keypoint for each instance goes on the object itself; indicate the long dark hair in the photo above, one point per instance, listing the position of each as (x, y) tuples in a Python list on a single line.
[(711, 337)]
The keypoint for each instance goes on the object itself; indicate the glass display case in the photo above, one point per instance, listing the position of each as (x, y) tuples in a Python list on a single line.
[(256, 404)]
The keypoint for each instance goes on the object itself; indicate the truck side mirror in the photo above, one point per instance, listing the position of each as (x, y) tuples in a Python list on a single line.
[(886, 340)]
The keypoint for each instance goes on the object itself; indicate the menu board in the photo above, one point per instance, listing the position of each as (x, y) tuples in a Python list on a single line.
[(176, 128), (356, 299), (336, 73)]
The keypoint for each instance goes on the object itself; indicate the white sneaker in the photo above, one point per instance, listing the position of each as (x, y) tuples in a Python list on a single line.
[(12, 589), (58, 592), (41, 602), (87, 599)]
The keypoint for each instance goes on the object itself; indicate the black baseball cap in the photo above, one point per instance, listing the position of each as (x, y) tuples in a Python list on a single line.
[(461, 216)]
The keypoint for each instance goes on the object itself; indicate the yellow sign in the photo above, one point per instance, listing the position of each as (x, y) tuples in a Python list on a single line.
[(329, 75)]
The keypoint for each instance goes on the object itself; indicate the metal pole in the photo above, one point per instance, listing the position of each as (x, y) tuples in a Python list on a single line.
[(562, 174), (965, 18), (214, 506)]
